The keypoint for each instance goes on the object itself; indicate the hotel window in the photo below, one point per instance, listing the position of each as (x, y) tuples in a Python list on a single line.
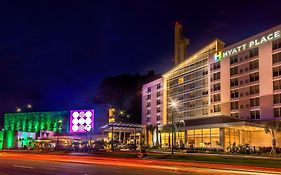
[(216, 87), (254, 89), (255, 115), (149, 89), (276, 44), (217, 97), (234, 82), (148, 97), (276, 58), (217, 108), (233, 59), (276, 71), (254, 64), (158, 94), (277, 112), (148, 104), (158, 86), (216, 65), (158, 117), (158, 110), (180, 80), (234, 70), (234, 94), (234, 105), (158, 102), (148, 119), (277, 85), (253, 52), (236, 115), (216, 76), (205, 111), (254, 102), (277, 98), (147, 112), (254, 77)]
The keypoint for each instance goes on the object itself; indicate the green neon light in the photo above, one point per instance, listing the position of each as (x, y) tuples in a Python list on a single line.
[(1, 139), (10, 139)]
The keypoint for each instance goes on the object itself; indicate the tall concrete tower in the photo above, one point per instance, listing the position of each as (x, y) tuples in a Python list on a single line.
[(181, 45)]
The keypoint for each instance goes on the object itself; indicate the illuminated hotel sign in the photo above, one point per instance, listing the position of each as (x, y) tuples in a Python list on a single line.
[(248, 45), (81, 120)]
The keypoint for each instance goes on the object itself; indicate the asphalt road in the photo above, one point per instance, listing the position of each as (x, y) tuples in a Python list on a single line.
[(34, 167), (44, 164)]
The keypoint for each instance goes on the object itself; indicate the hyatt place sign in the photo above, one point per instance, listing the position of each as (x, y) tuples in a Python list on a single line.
[(248, 45)]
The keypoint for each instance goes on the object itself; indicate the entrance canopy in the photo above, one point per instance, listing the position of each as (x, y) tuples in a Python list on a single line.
[(119, 126)]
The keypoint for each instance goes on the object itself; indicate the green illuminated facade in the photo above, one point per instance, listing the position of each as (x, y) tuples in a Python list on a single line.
[(36, 121), (1, 139)]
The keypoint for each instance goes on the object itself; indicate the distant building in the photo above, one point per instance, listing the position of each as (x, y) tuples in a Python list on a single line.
[(181, 44)]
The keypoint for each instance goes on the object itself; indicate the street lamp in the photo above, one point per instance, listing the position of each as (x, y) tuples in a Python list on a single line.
[(173, 105), (29, 106), (18, 110)]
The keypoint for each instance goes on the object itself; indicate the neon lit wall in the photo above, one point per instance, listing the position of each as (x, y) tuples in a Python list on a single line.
[(36, 121), (81, 120), (1, 139), (10, 138)]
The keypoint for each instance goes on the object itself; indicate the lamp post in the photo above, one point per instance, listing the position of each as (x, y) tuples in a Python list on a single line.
[(173, 106)]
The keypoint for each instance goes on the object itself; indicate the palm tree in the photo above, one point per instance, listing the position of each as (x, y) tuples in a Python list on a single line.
[(150, 128), (273, 127)]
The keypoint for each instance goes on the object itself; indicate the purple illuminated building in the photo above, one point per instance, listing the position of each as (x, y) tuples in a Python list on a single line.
[(81, 121)]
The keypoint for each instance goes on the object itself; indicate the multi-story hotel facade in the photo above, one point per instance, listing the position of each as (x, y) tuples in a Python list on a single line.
[(224, 94)]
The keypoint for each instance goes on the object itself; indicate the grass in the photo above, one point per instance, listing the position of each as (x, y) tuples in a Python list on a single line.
[(222, 159)]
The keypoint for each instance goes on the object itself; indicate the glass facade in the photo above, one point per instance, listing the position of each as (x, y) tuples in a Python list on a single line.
[(209, 138)]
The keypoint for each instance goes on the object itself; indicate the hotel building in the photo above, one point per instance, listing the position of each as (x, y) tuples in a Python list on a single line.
[(152, 107), (225, 94)]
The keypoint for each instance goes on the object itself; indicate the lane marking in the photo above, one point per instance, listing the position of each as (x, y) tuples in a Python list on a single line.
[(22, 166)]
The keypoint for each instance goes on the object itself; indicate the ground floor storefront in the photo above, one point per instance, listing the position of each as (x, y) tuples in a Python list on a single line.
[(214, 135)]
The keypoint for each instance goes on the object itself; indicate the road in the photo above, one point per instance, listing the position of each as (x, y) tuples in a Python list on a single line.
[(33, 164)]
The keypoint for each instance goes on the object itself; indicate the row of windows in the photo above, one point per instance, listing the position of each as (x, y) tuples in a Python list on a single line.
[(252, 53), (190, 67), (158, 110), (188, 87), (158, 102), (158, 86), (253, 90), (158, 118), (256, 114), (188, 78), (148, 97)]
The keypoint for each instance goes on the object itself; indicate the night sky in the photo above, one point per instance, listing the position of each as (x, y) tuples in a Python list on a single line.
[(54, 54)]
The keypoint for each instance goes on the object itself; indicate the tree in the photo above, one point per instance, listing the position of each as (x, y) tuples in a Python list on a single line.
[(273, 127)]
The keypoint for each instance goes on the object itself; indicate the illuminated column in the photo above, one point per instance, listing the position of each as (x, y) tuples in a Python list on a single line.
[(119, 136), (185, 139), (222, 139)]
